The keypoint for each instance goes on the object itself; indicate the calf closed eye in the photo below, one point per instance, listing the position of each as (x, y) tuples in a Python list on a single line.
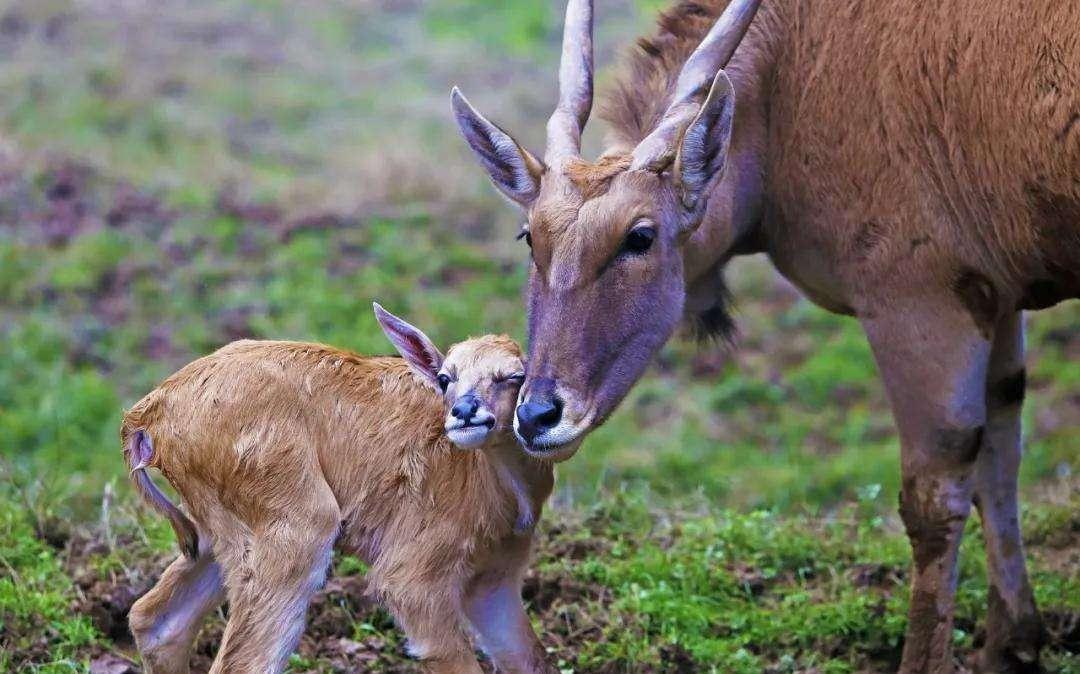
[(516, 378)]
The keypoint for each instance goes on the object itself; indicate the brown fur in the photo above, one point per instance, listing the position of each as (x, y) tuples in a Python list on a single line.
[(637, 100), (913, 164), (281, 450), (594, 178), (946, 103)]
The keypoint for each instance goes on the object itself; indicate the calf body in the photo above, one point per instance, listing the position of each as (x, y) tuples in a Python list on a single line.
[(283, 450)]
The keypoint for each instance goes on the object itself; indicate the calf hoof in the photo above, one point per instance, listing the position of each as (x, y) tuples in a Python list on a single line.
[(159, 663)]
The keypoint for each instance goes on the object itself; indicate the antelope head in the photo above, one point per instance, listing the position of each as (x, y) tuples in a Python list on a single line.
[(606, 287), (478, 379)]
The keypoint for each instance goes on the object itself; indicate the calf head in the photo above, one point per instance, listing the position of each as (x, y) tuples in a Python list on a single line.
[(478, 378)]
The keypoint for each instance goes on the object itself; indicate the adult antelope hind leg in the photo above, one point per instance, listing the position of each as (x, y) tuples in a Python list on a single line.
[(1014, 631), (166, 620), (933, 355)]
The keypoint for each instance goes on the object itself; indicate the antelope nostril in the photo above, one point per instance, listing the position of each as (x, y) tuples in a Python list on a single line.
[(552, 415), (465, 408), (535, 417)]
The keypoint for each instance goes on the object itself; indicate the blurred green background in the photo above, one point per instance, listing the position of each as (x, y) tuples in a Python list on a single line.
[(178, 174)]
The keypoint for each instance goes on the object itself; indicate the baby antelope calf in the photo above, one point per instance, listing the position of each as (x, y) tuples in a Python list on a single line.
[(282, 450)]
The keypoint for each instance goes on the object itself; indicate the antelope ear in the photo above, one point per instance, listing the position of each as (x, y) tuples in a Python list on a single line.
[(414, 346), (512, 168), (703, 151)]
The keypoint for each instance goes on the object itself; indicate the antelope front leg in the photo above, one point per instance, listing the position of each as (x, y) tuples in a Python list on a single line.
[(493, 605), (1014, 631), (432, 623), (428, 610), (166, 620), (933, 358)]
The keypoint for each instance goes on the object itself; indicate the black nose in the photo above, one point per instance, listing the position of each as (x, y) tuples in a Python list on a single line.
[(465, 408), (537, 416)]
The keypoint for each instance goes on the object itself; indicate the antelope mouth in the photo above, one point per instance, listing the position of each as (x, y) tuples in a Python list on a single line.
[(558, 443), (552, 451), (472, 434)]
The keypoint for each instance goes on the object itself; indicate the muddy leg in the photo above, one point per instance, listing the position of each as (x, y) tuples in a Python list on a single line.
[(1014, 631), (933, 359), (166, 620)]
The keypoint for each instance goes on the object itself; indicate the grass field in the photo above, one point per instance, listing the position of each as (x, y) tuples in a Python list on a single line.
[(175, 175)]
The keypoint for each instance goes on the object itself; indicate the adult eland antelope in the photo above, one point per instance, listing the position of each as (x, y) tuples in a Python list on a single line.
[(913, 164)]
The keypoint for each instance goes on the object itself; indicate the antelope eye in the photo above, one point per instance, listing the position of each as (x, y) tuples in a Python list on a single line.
[(639, 240), (444, 381)]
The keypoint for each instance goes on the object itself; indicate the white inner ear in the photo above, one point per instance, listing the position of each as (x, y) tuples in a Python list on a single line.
[(509, 154)]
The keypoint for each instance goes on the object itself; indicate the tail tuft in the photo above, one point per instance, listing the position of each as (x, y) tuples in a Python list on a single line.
[(139, 451)]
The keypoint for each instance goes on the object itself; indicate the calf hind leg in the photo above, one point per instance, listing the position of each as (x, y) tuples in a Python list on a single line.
[(1014, 631), (284, 564), (166, 620)]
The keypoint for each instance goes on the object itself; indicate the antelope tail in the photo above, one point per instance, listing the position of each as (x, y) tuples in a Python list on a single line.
[(139, 451)]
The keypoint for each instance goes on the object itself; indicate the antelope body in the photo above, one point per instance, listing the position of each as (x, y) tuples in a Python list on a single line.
[(914, 165), (282, 450)]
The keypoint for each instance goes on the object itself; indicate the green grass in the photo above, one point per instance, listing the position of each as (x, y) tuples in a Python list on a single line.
[(623, 585), (35, 599)]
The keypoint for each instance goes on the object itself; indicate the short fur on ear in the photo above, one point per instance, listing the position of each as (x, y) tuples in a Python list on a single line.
[(514, 170), (704, 146), (413, 345)]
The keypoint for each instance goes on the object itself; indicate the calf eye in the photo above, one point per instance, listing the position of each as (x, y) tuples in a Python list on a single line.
[(444, 381), (639, 239), (516, 378)]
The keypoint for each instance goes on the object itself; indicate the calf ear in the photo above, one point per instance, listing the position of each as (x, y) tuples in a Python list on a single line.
[(414, 346), (511, 167), (703, 151)]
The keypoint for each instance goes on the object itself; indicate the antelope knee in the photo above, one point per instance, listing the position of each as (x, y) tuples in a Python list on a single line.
[(933, 511), (957, 446), (141, 621), (429, 649)]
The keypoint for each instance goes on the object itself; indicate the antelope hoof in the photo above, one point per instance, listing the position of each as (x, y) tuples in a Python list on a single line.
[(991, 660)]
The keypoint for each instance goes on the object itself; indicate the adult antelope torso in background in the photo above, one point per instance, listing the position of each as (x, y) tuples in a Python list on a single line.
[(916, 165)]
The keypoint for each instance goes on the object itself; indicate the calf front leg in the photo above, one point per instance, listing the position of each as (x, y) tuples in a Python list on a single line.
[(424, 596), (166, 620), (1014, 631), (430, 616), (493, 606), (933, 359)]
